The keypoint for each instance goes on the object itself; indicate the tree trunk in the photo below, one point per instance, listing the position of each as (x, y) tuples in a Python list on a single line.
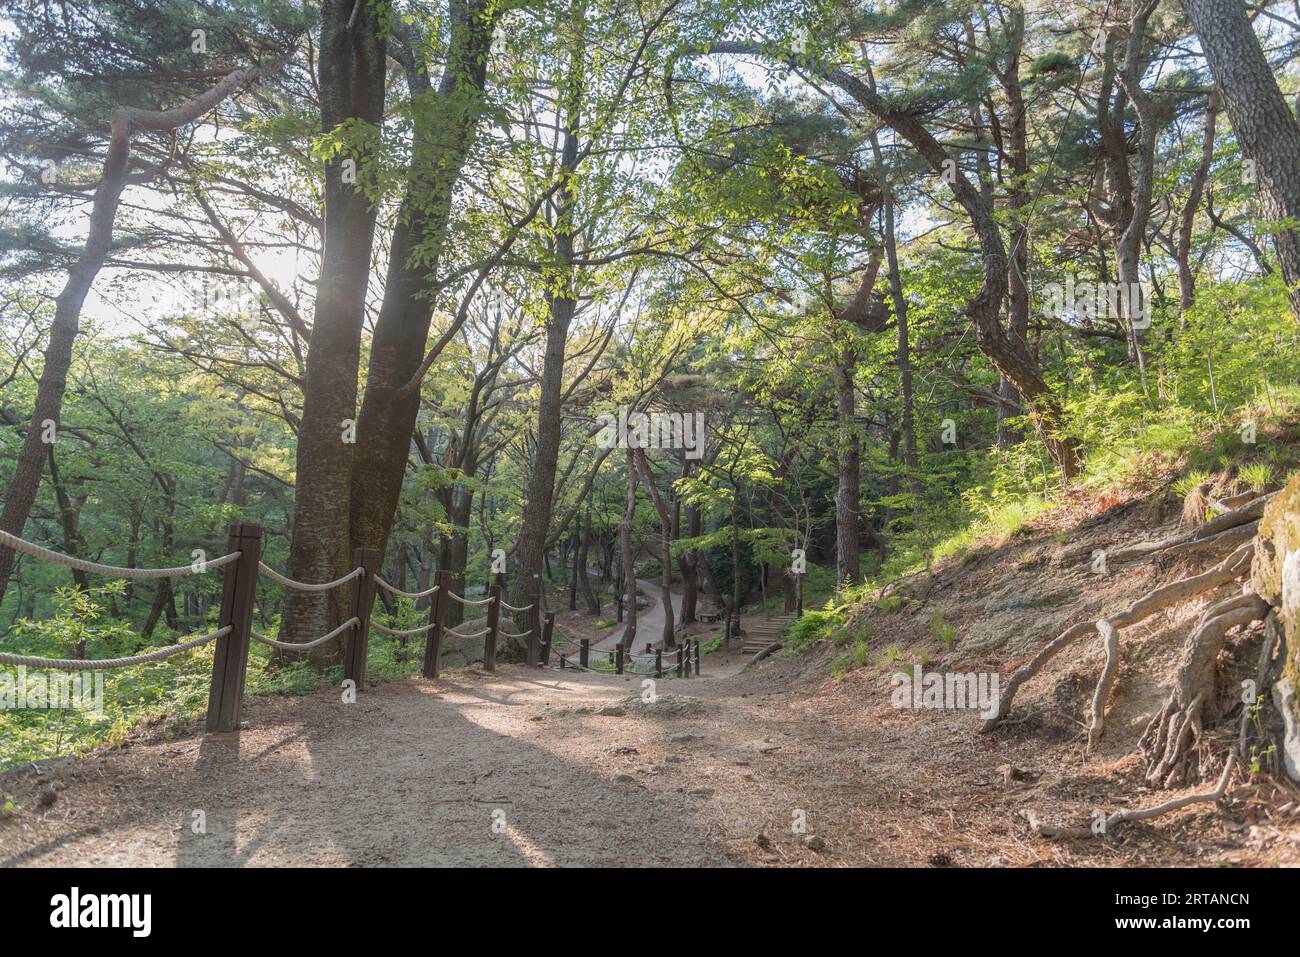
[(573, 574), (629, 562), (688, 565), (1186, 278), (392, 398), (1261, 120), (1019, 197), (540, 495), (848, 493), (666, 554), (584, 583), (352, 65), (70, 518)]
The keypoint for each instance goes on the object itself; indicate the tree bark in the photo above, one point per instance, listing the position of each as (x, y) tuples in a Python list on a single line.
[(666, 554), (442, 140), (584, 582), (629, 562), (1262, 121), (1186, 278), (352, 67), (848, 493), (561, 305)]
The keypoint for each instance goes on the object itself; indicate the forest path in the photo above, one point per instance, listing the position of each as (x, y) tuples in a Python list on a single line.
[(414, 773), (649, 621), (530, 767)]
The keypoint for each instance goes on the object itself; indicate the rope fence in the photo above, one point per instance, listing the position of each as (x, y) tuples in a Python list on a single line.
[(115, 571), (393, 589), (471, 636), (242, 566), (104, 664), (684, 661), (305, 645), (394, 633), (275, 576)]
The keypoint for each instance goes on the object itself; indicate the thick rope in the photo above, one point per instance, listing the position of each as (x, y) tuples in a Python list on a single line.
[(36, 551), (65, 664), (509, 607), (477, 634), (272, 574), (303, 646), (380, 580), (466, 601), (514, 634), (393, 632)]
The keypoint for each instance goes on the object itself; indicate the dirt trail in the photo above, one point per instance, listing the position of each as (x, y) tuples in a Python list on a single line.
[(575, 770), (649, 621)]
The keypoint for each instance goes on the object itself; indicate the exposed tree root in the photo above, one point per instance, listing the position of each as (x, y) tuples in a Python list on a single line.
[(1237, 524), (1149, 604), (1175, 732), (1057, 832), (1097, 723)]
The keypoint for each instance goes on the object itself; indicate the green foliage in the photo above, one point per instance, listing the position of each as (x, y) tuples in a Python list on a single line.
[(816, 625), (942, 631)]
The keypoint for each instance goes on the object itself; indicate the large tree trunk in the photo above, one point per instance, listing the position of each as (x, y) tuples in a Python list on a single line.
[(26, 480), (352, 64), (1018, 199), (540, 495), (1262, 121), (392, 399), (1128, 244)]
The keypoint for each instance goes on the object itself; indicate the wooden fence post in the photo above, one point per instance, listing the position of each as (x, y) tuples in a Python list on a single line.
[(584, 650), (363, 600), (493, 623), (697, 657), (659, 663), (548, 634), (230, 660), (437, 618), (618, 660), (681, 656), (533, 648)]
